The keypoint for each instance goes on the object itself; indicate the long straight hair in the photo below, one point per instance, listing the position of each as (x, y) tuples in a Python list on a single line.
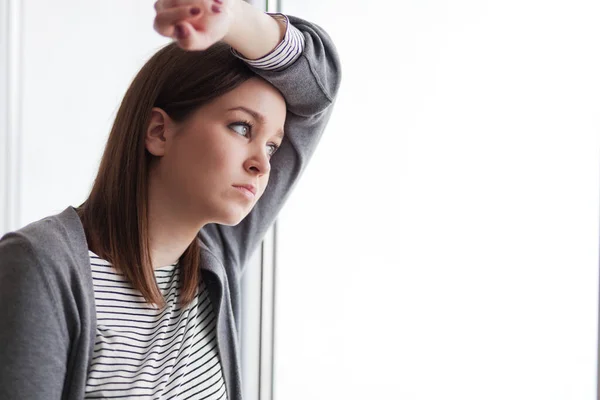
[(115, 215)]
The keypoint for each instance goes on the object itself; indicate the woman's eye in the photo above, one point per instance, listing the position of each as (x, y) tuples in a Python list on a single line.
[(241, 128), (272, 148)]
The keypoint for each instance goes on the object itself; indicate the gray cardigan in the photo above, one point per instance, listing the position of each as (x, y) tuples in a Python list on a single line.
[(47, 310)]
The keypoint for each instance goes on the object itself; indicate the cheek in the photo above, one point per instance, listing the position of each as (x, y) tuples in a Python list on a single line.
[(214, 159), (198, 152)]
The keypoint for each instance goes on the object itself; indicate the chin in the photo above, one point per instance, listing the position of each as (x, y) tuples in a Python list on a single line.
[(232, 219), (230, 222)]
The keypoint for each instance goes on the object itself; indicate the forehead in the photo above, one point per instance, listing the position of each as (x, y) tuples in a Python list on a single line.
[(257, 95)]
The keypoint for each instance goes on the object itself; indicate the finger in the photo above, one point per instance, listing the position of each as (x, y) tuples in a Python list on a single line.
[(165, 21), (184, 35), (166, 4), (192, 39)]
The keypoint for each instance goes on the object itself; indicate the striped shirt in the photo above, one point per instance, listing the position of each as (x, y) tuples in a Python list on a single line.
[(147, 353)]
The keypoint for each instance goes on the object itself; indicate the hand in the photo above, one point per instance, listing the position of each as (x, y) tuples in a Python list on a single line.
[(194, 24)]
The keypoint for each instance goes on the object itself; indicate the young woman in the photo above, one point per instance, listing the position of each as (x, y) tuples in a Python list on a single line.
[(136, 293)]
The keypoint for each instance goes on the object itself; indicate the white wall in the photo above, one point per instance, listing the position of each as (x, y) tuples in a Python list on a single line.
[(78, 59), (4, 50), (9, 112), (444, 242)]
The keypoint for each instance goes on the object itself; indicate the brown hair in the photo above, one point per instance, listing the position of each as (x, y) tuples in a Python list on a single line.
[(114, 216)]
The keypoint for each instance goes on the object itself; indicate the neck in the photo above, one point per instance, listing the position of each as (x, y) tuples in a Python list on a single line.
[(170, 228)]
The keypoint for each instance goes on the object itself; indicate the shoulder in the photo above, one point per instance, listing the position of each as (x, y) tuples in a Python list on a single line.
[(53, 248), (46, 301)]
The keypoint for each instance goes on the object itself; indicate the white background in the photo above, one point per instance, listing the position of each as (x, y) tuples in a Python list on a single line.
[(78, 60), (443, 244)]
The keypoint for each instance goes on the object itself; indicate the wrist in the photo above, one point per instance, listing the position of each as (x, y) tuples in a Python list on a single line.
[(235, 10), (253, 33)]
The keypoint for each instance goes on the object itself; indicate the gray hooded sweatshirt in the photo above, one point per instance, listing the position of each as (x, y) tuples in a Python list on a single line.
[(47, 307)]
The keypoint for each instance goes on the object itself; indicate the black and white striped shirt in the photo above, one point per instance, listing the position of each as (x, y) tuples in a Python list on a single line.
[(147, 353)]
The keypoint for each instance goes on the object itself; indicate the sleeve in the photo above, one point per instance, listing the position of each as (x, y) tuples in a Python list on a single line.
[(284, 54), (309, 82), (34, 340)]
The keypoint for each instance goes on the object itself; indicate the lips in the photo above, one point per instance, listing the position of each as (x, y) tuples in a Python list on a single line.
[(250, 188)]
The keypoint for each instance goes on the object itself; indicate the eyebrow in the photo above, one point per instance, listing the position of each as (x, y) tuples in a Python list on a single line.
[(257, 116)]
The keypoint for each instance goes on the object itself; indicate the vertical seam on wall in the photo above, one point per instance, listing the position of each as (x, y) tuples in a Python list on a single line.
[(260, 325), (4, 105), (274, 305), (273, 6), (4, 100), (14, 85)]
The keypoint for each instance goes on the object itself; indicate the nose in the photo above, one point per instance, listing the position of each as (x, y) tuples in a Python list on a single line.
[(258, 163)]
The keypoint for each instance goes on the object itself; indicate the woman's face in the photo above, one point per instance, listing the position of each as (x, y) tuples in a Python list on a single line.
[(222, 146)]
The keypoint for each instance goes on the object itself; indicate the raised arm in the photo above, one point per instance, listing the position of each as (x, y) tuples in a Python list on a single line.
[(298, 58)]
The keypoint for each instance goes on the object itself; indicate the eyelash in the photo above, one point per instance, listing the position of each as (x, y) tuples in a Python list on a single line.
[(250, 125), (247, 124)]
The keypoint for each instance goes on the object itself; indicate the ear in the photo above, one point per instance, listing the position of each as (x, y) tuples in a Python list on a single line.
[(159, 133)]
